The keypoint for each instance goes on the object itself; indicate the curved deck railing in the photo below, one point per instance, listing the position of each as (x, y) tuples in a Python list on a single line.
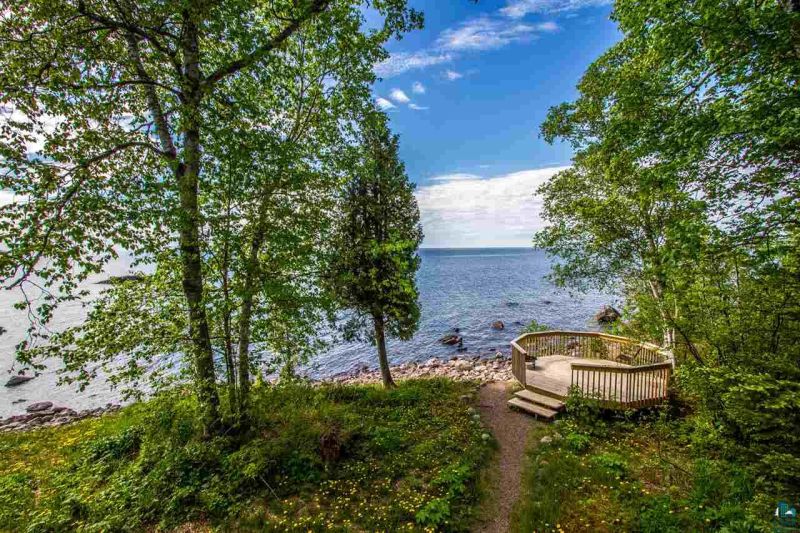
[(640, 377)]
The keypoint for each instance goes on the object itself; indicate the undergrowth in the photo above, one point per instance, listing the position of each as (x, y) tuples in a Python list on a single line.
[(317, 458), (648, 472)]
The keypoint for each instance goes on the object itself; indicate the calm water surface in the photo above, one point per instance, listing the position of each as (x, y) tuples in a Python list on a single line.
[(459, 288)]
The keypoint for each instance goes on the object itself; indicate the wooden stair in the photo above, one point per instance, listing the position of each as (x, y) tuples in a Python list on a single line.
[(536, 404)]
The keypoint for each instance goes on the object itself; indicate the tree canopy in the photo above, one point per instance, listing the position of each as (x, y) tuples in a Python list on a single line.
[(684, 193), (203, 138)]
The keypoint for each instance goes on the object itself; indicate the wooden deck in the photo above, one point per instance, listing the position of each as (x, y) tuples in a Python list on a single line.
[(618, 372), (553, 375)]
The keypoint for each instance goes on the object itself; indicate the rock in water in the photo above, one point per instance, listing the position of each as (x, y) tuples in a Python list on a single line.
[(498, 324), (450, 340), (39, 406), (607, 315), (18, 380)]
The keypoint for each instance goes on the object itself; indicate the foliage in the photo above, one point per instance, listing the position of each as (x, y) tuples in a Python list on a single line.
[(407, 458), (683, 195), (373, 272), (205, 140), (535, 327), (637, 477)]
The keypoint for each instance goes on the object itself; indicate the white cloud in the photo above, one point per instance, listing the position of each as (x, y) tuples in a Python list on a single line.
[(402, 62), (418, 88), (519, 8), (465, 210), (452, 75), (384, 104), (482, 33), (486, 33), (458, 176), (399, 96), (548, 26), (416, 107)]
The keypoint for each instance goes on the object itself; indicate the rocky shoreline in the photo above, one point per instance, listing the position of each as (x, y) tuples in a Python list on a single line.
[(477, 368), (482, 370), (45, 414)]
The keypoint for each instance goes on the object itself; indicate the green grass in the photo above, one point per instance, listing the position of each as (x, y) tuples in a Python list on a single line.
[(337, 458), (642, 475)]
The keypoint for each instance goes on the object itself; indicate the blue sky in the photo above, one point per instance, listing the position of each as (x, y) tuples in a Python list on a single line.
[(467, 95)]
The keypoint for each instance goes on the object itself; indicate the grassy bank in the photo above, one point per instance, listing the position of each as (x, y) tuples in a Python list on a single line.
[(647, 473), (318, 458)]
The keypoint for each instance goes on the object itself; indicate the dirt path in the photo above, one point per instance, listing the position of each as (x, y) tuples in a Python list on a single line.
[(510, 428)]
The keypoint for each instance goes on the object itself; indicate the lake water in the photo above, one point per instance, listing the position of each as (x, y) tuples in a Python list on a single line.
[(459, 288)]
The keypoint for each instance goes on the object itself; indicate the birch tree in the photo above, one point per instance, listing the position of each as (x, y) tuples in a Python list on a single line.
[(111, 111)]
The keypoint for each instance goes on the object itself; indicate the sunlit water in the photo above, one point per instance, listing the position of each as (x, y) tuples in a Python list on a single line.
[(465, 289)]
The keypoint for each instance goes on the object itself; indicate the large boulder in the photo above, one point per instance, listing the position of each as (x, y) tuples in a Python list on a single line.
[(18, 380), (607, 315)]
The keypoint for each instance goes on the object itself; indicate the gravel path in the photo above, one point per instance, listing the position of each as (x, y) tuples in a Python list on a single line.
[(510, 429)]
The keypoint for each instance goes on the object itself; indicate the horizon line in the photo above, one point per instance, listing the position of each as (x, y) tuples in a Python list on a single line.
[(475, 247)]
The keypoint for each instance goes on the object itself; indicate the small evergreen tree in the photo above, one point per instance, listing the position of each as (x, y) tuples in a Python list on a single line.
[(373, 273)]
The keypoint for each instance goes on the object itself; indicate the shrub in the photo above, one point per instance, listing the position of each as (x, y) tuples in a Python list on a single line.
[(578, 442)]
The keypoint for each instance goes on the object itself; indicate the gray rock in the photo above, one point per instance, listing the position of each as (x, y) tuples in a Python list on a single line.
[(450, 339), (13, 381), (607, 315), (39, 406), (462, 365)]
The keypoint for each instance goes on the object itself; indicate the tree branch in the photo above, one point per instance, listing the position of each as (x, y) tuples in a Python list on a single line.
[(122, 25), (317, 7), (153, 103), (68, 195)]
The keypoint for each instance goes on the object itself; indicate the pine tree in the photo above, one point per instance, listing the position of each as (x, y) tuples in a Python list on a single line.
[(374, 271)]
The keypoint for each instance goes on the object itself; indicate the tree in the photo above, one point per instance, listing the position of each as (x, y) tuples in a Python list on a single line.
[(685, 189), (114, 111), (374, 266)]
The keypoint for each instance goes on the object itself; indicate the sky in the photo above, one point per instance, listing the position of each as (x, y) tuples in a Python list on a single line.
[(467, 95)]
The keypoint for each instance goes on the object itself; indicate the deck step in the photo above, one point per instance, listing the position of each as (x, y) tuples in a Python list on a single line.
[(541, 399), (557, 393), (532, 408)]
